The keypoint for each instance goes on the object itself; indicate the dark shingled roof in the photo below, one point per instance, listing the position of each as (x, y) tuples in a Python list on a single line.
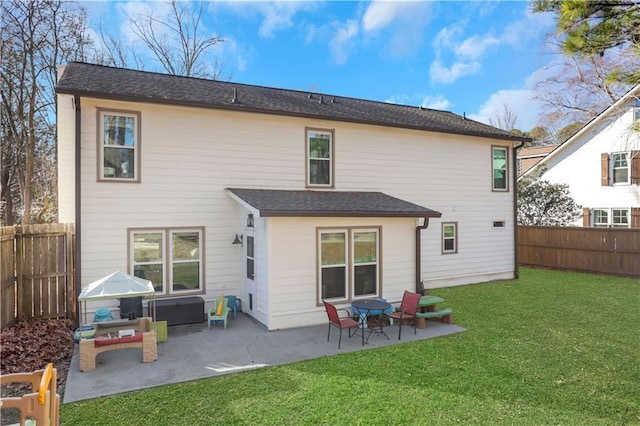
[(99, 81), (287, 203)]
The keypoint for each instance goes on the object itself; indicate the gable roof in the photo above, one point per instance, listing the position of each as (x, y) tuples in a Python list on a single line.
[(104, 82), (633, 93), (305, 203)]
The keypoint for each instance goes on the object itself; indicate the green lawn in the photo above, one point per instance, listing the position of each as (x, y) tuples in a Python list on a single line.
[(550, 348)]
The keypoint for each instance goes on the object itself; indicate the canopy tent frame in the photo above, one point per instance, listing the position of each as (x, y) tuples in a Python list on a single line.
[(118, 286)]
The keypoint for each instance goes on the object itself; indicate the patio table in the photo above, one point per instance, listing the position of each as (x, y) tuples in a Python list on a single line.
[(427, 304), (367, 308)]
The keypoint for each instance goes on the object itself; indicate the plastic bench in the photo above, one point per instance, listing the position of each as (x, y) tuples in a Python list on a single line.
[(446, 315)]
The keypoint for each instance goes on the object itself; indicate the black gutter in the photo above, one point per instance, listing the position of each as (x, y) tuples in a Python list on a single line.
[(78, 227), (516, 272)]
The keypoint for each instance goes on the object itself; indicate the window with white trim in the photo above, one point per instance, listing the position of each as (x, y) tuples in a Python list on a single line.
[(620, 167), (118, 145), (500, 168), (607, 218), (449, 238), (170, 258), (636, 110), (320, 158), (349, 263)]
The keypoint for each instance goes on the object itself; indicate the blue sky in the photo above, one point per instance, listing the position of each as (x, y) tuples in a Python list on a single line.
[(468, 57)]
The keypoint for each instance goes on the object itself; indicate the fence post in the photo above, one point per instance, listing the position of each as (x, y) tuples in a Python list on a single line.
[(19, 273)]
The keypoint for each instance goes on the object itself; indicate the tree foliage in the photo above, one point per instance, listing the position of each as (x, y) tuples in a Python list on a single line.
[(542, 203), (597, 27)]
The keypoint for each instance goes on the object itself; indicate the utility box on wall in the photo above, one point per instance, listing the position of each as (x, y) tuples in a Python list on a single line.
[(185, 310)]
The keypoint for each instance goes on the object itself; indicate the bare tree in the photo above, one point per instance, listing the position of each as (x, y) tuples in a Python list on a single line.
[(505, 119), (578, 88), (36, 36), (178, 43)]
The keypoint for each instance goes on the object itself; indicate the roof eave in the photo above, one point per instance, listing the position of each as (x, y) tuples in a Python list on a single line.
[(240, 108), (338, 213)]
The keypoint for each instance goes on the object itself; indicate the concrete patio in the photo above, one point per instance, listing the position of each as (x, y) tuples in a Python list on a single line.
[(194, 352)]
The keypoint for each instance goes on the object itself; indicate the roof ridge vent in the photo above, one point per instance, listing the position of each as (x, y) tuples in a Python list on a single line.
[(235, 96), (320, 101)]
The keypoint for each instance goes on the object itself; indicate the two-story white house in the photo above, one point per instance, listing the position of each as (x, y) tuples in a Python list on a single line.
[(281, 197), (601, 165)]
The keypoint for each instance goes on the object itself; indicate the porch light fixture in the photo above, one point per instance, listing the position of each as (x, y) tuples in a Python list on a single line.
[(237, 240), (249, 221)]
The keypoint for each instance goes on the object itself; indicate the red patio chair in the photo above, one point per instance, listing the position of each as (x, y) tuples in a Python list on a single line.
[(336, 321), (407, 310)]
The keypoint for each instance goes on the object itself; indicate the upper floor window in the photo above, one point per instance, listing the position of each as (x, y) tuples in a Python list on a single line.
[(118, 146), (320, 157), (349, 263), (170, 258), (620, 167), (636, 110), (449, 238), (500, 168)]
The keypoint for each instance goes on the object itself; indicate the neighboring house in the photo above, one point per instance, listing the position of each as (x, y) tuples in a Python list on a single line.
[(529, 157), (601, 165), (281, 197)]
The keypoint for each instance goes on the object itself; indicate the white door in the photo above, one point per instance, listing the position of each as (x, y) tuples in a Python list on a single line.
[(250, 302)]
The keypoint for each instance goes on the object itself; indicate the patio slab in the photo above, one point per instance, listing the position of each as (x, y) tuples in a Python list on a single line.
[(195, 352)]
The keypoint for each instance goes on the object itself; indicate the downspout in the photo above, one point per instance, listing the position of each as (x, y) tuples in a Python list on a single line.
[(516, 272), (425, 225), (78, 242)]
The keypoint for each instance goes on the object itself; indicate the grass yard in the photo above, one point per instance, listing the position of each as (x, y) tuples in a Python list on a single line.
[(550, 348)]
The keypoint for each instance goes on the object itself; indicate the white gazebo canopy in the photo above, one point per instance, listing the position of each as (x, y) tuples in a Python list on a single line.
[(117, 286)]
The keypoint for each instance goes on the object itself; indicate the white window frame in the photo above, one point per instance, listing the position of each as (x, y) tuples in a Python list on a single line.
[(616, 214), (614, 168), (350, 264), (135, 168), (167, 258), (445, 238), (597, 221), (495, 148), (331, 160), (611, 219)]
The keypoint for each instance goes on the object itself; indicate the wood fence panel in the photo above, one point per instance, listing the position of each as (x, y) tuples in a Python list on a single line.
[(602, 250), (44, 276), (8, 282)]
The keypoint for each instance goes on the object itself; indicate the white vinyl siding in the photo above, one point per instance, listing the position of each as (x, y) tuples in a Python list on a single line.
[(184, 186)]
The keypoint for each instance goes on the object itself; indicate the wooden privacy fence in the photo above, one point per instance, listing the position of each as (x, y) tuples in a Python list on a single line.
[(37, 272), (603, 250)]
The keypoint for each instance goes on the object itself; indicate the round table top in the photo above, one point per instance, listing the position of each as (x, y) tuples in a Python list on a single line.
[(370, 305)]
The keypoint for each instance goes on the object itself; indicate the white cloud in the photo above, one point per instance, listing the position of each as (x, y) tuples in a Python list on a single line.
[(437, 102), (440, 73), (343, 41), (466, 53), (379, 14), (519, 100)]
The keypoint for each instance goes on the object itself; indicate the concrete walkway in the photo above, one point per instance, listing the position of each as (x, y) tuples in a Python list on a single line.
[(194, 352)]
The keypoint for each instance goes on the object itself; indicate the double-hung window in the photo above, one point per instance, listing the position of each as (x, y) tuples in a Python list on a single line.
[(449, 238), (171, 258), (349, 263), (601, 217), (118, 146), (320, 158), (620, 167), (616, 218), (499, 168)]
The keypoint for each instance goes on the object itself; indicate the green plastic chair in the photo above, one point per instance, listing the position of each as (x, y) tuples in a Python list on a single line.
[(211, 313)]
